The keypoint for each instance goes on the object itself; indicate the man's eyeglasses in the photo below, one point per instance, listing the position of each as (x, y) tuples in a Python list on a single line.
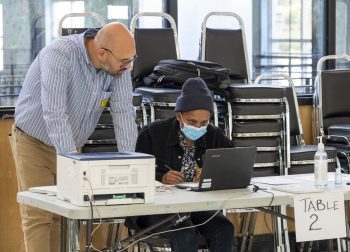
[(124, 63)]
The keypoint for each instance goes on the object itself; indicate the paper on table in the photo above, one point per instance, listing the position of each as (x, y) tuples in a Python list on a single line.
[(300, 188), (49, 190), (188, 185), (277, 180), (331, 177)]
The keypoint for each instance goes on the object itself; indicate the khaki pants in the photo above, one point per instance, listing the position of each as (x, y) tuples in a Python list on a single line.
[(35, 166)]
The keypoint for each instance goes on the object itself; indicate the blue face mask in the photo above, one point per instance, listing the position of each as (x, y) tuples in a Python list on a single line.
[(192, 132)]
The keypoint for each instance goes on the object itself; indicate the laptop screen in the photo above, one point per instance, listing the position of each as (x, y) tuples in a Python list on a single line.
[(226, 168)]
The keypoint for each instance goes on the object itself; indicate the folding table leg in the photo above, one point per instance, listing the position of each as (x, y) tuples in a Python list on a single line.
[(277, 226), (63, 233), (250, 234), (244, 230), (285, 229), (88, 234), (73, 236)]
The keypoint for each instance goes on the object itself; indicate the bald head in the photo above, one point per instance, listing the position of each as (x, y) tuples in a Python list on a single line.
[(117, 38)]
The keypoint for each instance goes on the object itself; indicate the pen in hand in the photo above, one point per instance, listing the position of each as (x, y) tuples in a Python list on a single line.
[(168, 167), (172, 176)]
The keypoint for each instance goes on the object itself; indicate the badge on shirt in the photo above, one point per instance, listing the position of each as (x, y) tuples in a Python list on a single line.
[(104, 103)]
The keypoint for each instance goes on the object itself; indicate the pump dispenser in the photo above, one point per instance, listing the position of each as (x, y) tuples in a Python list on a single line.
[(320, 165)]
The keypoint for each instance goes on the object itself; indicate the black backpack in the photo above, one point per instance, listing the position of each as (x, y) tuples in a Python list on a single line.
[(174, 73)]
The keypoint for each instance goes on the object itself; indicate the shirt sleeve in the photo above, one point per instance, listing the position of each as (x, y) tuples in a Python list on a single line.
[(55, 72), (222, 140), (144, 145), (123, 112)]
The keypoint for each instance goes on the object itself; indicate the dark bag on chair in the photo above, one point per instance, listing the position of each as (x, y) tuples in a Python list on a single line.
[(174, 73)]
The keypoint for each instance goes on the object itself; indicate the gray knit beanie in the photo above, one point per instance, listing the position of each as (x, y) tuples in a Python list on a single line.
[(195, 95)]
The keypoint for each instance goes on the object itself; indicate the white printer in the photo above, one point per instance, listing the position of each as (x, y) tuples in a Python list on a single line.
[(106, 178)]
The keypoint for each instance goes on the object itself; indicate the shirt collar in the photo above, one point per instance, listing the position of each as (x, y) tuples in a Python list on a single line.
[(89, 33)]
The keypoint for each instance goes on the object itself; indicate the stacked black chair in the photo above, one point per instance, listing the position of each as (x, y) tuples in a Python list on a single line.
[(159, 102), (300, 158), (153, 45), (226, 47), (260, 117), (332, 107)]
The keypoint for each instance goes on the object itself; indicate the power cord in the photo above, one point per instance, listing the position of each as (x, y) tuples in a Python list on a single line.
[(258, 188), (93, 204), (178, 229), (169, 231)]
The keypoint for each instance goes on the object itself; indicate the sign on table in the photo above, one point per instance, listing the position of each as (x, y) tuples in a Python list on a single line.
[(319, 216)]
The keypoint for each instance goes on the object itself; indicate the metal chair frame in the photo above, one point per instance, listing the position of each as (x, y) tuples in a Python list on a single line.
[(318, 95), (150, 103), (157, 14), (300, 137), (95, 16), (248, 222), (283, 162), (153, 104), (241, 24)]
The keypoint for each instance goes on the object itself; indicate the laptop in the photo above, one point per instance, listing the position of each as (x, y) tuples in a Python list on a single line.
[(227, 168)]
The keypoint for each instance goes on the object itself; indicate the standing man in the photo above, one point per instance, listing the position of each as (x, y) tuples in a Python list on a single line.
[(63, 95)]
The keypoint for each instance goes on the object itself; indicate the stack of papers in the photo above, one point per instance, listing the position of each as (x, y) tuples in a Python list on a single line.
[(49, 190), (298, 188), (276, 180)]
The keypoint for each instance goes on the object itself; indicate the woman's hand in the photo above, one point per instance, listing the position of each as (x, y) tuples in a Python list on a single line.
[(197, 174), (172, 177)]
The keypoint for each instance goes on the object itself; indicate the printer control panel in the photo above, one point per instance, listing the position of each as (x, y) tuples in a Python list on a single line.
[(118, 175)]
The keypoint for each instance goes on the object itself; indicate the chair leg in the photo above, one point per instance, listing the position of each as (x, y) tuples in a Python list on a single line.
[(330, 245), (310, 246), (244, 230), (339, 245), (252, 223), (285, 230), (278, 232), (74, 236), (347, 241), (110, 234)]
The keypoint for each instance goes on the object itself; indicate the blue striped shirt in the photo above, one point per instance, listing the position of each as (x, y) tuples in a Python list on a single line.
[(60, 101)]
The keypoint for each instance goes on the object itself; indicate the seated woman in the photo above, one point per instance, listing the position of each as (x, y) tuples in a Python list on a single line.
[(178, 144)]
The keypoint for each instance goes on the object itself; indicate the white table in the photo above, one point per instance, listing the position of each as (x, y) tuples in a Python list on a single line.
[(165, 202), (176, 201)]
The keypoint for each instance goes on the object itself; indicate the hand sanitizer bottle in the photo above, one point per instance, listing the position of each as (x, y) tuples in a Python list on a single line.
[(321, 165), (338, 176)]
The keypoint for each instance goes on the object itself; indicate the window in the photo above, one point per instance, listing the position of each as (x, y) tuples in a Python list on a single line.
[(28, 25), (342, 44), (59, 10), (282, 36), (190, 22), (283, 40), (1, 40)]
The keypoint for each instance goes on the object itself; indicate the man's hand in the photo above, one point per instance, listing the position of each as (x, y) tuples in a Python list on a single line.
[(172, 177), (197, 174)]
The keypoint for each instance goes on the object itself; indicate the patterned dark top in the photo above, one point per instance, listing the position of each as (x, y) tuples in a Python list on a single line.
[(188, 160)]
